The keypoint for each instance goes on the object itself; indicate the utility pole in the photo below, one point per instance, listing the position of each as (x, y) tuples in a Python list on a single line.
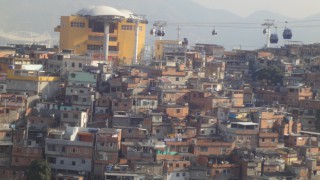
[(178, 33)]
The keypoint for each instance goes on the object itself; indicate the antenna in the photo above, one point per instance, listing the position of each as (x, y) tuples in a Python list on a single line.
[(178, 33)]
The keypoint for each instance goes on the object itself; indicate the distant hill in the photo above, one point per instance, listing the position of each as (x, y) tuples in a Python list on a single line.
[(43, 15)]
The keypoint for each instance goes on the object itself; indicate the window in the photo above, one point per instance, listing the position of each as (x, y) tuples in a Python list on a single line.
[(262, 139), (113, 38), (73, 163), (110, 144), (184, 149), (75, 116), (273, 140), (52, 160), (145, 103), (223, 150), (77, 24), (65, 115), (177, 165), (202, 131), (177, 78), (126, 27), (73, 64), (61, 161), (178, 110), (81, 91), (217, 171), (184, 165), (101, 144), (157, 131), (115, 104), (74, 150), (84, 99), (94, 47), (183, 174), (73, 75), (203, 149), (178, 174), (83, 161), (51, 148), (129, 130), (63, 149), (80, 65)]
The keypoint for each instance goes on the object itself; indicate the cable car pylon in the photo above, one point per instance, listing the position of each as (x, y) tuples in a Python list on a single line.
[(268, 24)]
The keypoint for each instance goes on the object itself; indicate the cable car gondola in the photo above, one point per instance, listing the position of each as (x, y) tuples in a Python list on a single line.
[(287, 33), (214, 32), (274, 38), (265, 30), (153, 31), (160, 32)]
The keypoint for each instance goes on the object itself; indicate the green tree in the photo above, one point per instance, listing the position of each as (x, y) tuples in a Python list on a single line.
[(39, 169), (271, 74)]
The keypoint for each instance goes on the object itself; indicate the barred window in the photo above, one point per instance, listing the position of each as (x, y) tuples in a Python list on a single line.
[(126, 27), (78, 24)]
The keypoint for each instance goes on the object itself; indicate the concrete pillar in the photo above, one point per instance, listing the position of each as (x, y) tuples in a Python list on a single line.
[(106, 42), (135, 55)]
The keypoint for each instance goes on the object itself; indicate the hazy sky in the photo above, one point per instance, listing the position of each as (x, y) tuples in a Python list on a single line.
[(291, 8)]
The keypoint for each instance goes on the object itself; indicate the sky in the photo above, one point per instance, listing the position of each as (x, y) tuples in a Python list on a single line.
[(290, 8)]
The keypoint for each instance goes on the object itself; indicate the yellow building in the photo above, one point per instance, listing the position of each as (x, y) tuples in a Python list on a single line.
[(32, 82), (162, 46), (288, 155), (85, 33)]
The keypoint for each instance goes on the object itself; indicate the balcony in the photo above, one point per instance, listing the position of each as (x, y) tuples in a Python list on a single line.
[(217, 166), (100, 52), (242, 131), (67, 142)]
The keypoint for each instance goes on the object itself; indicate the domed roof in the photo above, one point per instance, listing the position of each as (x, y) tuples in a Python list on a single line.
[(100, 11), (127, 13)]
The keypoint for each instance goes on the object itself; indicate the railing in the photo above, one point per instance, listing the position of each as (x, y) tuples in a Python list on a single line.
[(67, 142)]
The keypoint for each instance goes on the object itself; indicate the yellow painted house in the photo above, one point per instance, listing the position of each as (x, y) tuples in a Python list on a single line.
[(32, 82), (84, 33), (288, 155), (160, 46)]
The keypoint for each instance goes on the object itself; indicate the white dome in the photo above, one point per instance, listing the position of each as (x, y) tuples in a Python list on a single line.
[(127, 13), (100, 11)]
